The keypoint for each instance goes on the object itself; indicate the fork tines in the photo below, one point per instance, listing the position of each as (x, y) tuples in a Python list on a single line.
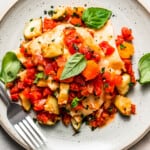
[(30, 133)]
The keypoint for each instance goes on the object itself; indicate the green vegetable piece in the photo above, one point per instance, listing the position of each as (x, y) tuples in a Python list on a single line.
[(75, 102), (144, 69), (74, 66), (38, 76), (95, 17), (10, 67)]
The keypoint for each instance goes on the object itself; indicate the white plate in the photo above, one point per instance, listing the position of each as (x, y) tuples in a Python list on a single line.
[(122, 132)]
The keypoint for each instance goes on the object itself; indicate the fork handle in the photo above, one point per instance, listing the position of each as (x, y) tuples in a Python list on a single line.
[(4, 96)]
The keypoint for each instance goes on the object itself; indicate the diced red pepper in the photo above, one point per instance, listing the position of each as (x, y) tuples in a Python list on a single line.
[(28, 63), (35, 96), (119, 40), (72, 39), (127, 34), (15, 97), (107, 48), (39, 105), (46, 92), (66, 119), (49, 24), (133, 109), (49, 70)]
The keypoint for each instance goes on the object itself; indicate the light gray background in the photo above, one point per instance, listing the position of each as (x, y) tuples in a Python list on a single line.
[(6, 143)]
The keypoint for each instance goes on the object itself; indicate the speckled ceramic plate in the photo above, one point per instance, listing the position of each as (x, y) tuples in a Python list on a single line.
[(122, 132)]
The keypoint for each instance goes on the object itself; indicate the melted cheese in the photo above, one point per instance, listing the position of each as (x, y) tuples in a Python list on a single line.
[(112, 62)]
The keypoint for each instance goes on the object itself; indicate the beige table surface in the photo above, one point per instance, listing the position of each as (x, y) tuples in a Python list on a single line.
[(6, 143)]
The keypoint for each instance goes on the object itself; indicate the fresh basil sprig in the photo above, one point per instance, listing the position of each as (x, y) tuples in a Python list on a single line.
[(144, 69), (74, 66), (95, 17), (10, 67)]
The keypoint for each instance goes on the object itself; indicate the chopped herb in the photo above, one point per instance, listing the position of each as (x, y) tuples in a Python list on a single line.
[(51, 12), (122, 46), (110, 109), (103, 70), (75, 102), (77, 25), (45, 12), (56, 94), (106, 85), (113, 15), (40, 17), (31, 29), (131, 84), (53, 40), (87, 107), (93, 128), (75, 15), (75, 47), (38, 76), (85, 5), (52, 6), (31, 20)]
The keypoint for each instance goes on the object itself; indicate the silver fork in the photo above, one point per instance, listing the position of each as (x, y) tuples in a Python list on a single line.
[(22, 122)]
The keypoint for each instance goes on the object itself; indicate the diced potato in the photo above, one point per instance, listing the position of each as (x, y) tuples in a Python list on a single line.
[(124, 87), (25, 102), (20, 56), (51, 105), (52, 84), (123, 104), (22, 75), (59, 14), (42, 83), (52, 50), (63, 95), (33, 29), (50, 122), (76, 122)]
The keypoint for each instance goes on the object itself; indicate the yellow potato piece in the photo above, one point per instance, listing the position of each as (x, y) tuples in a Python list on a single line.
[(126, 50), (52, 50), (33, 29), (25, 102), (123, 104), (63, 95), (51, 105)]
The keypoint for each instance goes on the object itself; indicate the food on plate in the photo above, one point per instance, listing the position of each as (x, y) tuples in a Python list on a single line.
[(144, 69), (70, 67)]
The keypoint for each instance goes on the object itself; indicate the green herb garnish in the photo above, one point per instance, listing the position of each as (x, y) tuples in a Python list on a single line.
[(31, 29), (74, 66), (122, 46), (103, 70), (144, 69), (39, 76), (95, 17), (51, 12), (10, 67), (75, 102)]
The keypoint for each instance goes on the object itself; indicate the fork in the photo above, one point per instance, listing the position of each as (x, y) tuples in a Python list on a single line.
[(22, 122)]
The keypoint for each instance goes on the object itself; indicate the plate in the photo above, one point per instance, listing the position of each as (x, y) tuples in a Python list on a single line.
[(122, 133)]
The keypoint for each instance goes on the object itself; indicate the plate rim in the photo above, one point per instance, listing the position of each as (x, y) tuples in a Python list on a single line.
[(22, 143)]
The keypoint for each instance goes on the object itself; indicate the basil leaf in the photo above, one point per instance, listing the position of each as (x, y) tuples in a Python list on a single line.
[(75, 102), (144, 69), (10, 67), (74, 66), (95, 17)]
